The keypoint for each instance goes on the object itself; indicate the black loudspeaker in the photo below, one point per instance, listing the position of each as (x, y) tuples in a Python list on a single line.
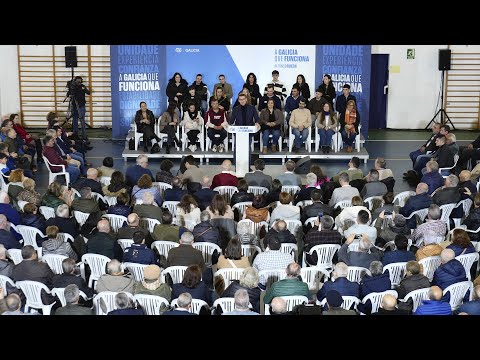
[(444, 59), (303, 166), (70, 56)]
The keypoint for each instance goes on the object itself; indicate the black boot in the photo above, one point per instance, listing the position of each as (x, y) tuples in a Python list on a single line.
[(167, 150), (178, 142)]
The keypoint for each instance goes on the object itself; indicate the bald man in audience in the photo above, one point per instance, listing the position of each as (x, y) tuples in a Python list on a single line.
[(103, 243), (420, 200), (434, 305), (13, 304), (278, 306), (205, 195), (133, 222), (450, 271), (389, 307), (291, 285), (91, 181), (226, 177), (115, 279), (465, 178)]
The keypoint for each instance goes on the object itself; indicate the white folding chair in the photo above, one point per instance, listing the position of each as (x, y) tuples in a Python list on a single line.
[(417, 297), (430, 264), (255, 227), (197, 304), (307, 143), (163, 247), (47, 212), (151, 304), (467, 261), (161, 186), (207, 250), (269, 276), (343, 204), (313, 275), (226, 192), (290, 248), (291, 302), (116, 221), (105, 180), (111, 200), (15, 255), (311, 221), (395, 272), (149, 224), (97, 264), (32, 291), (455, 160), (60, 294), (446, 211), (402, 197), (228, 275), (52, 175), (4, 280), (65, 237), (176, 273), (241, 206), (325, 254), (291, 189), (349, 302), (171, 206), (421, 213), (29, 235), (457, 293), (294, 226), (257, 190), (302, 204), (370, 199), (356, 273), (125, 243), (54, 261), (226, 304), (250, 251), (377, 297), (97, 197), (201, 137), (466, 204), (136, 270), (81, 217), (280, 141)]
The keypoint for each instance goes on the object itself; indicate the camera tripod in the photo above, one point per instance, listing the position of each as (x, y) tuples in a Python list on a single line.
[(441, 111)]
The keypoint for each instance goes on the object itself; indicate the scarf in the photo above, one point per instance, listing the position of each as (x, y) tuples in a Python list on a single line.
[(193, 115), (350, 117), (151, 286)]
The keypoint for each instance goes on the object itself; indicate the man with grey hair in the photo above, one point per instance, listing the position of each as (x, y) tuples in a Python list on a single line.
[(289, 177), (184, 304), (204, 231), (85, 203), (134, 172), (13, 304), (374, 187), (205, 195), (449, 194), (70, 276), (133, 222), (306, 192), (6, 266), (291, 285), (115, 279), (339, 282), (364, 256), (420, 200), (450, 271), (8, 210), (345, 192), (6, 237), (241, 304), (103, 243), (321, 234), (125, 306), (278, 306), (433, 228), (185, 254), (432, 177), (378, 281), (72, 295), (63, 221), (279, 230), (175, 193), (147, 208)]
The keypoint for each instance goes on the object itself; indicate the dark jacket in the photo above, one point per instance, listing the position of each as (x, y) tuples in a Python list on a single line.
[(447, 195), (175, 194), (411, 283), (139, 117), (415, 203), (461, 251), (63, 280), (328, 92), (448, 274), (433, 307), (377, 283), (172, 89), (253, 294), (127, 233), (344, 286), (314, 209), (128, 311), (433, 179), (204, 197), (34, 220), (284, 236), (6, 268), (251, 118), (134, 172), (103, 244), (12, 215), (66, 225), (356, 258), (33, 270), (8, 240), (139, 254), (200, 291), (122, 210), (444, 156), (315, 237), (96, 186), (74, 309), (85, 205), (341, 102), (185, 255), (473, 223), (304, 194), (205, 232), (241, 196), (390, 257)]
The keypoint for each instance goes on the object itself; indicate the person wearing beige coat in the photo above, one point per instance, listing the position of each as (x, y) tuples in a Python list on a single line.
[(300, 121)]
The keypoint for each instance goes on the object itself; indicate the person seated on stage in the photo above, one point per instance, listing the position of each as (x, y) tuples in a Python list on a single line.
[(121, 207), (145, 121), (55, 159), (327, 123), (306, 192), (321, 177), (205, 195), (226, 177), (201, 90), (91, 181), (242, 195), (270, 94), (271, 121), (292, 102), (429, 145), (343, 99), (349, 121), (289, 177), (327, 88), (107, 167), (169, 124), (315, 105), (193, 123), (373, 187), (32, 141), (117, 185), (219, 208), (165, 175), (285, 210), (247, 94), (353, 171), (192, 97), (258, 211), (134, 172), (223, 101), (300, 121), (253, 89), (279, 89), (258, 177), (303, 88), (216, 123), (226, 87), (144, 185), (177, 89), (176, 192)]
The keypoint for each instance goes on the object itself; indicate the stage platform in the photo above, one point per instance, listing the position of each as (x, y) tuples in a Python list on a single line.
[(283, 155)]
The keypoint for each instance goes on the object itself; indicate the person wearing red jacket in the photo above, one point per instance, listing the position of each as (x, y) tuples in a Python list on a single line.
[(32, 141)]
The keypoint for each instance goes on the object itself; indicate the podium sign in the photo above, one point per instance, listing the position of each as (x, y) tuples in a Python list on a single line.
[(242, 147)]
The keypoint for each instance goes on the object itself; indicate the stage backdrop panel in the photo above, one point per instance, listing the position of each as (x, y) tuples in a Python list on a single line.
[(347, 64), (137, 74)]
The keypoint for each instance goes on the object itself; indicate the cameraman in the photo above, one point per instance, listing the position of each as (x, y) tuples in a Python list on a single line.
[(76, 92)]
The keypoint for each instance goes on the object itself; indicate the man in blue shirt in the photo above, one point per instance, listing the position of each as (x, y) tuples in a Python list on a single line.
[(134, 172)]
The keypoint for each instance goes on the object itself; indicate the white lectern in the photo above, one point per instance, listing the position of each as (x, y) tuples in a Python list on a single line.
[(242, 147)]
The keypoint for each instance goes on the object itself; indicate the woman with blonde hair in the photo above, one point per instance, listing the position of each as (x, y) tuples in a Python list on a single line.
[(15, 181)]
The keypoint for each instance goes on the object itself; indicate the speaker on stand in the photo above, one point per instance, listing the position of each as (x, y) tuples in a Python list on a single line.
[(71, 57)]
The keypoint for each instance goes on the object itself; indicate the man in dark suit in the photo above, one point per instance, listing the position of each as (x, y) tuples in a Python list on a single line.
[(72, 296), (363, 257), (104, 244), (205, 195), (340, 283), (471, 151), (306, 192), (68, 278), (244, 114), (6, 237), (419, 201), (133, 222), (429, 145), (175, 193), (258, 178), (316, 208), (443, 156), (185, 254)]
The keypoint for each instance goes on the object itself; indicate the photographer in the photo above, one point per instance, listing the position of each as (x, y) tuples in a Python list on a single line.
[(76, 92)]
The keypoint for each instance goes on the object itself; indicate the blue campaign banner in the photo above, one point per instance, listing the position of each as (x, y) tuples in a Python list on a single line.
[(347, 64), (138, 73)]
